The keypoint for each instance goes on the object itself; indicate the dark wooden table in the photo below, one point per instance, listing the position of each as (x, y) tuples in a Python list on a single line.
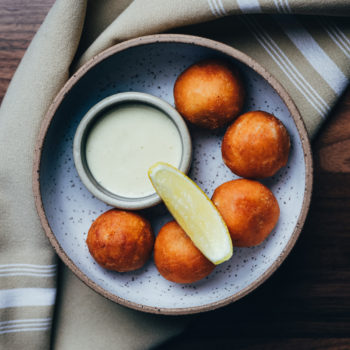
[(306, 303)]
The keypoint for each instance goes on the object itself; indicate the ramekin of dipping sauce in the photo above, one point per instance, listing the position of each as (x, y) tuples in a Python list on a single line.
[(120, 138)]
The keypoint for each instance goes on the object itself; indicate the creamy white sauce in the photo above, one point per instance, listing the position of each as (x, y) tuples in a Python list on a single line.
[(125, 142)]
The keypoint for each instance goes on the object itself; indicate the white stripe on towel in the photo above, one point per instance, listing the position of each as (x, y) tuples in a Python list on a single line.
[(212, 8), (223, 11), (25, 325), (288, 67), (338, 37), (26, 269), (27, 297), (249, 6), (27, 329), (30, 266), (277, 4), (25, 320), (217, 8), (26, 273), (314, 54), (289, 10)]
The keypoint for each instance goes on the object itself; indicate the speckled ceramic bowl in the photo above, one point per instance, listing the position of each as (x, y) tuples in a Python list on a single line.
[(96, 112), (67, 209)]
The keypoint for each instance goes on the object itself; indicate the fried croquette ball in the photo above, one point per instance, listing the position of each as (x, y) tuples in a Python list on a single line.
[(256, 145), (249, 209), (177, 258), (120, 240), (209, 93)]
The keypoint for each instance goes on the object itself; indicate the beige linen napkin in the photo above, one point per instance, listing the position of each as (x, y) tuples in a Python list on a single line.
[(309, 55)]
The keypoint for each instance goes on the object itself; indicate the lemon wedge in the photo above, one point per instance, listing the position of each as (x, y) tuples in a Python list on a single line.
[(193, 211)]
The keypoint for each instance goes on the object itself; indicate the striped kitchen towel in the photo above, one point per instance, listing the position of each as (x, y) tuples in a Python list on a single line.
[(309, 55)]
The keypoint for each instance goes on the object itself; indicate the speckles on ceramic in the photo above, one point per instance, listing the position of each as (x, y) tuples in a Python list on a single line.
[(70, 208)]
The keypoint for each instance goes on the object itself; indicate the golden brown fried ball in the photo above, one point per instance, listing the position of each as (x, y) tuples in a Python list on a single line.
[(177, 258), (120, 240), (256, 145), (249, 209), (209, 93)]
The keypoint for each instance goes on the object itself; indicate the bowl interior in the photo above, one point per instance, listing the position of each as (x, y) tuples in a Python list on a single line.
[(70, 208)]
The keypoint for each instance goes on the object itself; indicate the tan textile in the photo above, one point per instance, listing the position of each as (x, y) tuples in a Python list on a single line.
[(309, 55)]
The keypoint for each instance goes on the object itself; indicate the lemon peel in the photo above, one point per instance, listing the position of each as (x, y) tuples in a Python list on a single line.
[(193, 210)]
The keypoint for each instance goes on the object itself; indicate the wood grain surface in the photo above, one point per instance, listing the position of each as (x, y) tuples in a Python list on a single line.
[(306, 303)]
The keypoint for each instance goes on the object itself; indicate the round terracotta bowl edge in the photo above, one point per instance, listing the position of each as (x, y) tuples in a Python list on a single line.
[(222, 48)]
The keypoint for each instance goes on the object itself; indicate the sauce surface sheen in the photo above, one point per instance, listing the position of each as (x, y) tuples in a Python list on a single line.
[(125, 142)]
